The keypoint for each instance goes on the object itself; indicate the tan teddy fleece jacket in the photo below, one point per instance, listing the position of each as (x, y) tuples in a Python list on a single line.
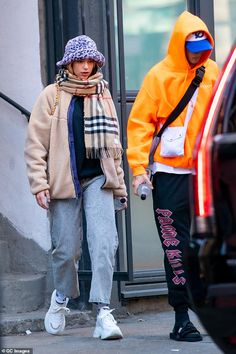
[(47, 151)]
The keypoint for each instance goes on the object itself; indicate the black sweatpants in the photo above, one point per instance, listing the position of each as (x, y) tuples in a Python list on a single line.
[(172, 215)]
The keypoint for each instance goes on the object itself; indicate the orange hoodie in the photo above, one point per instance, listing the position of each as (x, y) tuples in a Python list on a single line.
[(161, 90)]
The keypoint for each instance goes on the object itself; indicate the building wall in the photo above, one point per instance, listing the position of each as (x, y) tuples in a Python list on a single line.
[(21, 81)]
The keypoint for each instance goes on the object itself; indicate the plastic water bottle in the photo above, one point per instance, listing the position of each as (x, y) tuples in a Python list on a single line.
[(119, 203), (144, 191)]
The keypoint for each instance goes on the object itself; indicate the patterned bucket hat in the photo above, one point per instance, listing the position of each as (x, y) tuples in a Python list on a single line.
[(79, 48)]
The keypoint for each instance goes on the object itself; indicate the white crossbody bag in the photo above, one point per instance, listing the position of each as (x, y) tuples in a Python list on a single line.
[(173, 138)]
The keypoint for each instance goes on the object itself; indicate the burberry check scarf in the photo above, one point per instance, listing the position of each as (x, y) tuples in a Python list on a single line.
[(101, 126)]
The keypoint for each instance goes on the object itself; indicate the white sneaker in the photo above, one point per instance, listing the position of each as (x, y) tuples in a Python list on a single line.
[(106, 327), (54, 321)]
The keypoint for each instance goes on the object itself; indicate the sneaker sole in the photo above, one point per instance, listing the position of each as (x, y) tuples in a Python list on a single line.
[(111, 335), (185, 339), (114, 336)]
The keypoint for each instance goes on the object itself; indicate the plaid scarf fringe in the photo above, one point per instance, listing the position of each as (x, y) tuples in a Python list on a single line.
[(103, 153)]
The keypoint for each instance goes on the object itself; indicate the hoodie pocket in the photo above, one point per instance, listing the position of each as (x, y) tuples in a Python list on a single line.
[(172, 142)]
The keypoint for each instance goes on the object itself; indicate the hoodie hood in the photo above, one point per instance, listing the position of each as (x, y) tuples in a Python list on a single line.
[(176, 56)]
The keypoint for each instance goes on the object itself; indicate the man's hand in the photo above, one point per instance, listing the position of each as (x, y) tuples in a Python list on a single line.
[(137, 180), (43, 199)]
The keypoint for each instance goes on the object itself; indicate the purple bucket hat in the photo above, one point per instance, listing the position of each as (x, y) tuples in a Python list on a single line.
[(79, 48)]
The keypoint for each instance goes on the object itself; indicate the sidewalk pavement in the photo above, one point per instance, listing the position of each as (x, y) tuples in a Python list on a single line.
[(146, 333)]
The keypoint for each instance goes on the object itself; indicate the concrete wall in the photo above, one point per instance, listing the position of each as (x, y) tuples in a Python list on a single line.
[(21, 81)]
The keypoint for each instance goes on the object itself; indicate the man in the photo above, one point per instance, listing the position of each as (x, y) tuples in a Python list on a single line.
[(164, 85)]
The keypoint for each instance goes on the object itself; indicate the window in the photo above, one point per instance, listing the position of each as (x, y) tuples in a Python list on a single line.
[(147, 28), (225, 27)]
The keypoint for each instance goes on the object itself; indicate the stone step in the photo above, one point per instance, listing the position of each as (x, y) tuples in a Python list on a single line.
[(34, 321), (22, 292), (4, 257)]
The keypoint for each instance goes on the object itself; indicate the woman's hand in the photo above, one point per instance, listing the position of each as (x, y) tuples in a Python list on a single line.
[(43, 199)]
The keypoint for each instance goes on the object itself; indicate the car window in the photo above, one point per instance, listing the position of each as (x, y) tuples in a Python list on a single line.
[(232, 114), (226, 121), (229, 125)]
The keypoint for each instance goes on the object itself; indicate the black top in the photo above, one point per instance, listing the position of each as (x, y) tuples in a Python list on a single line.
[(86, 168)]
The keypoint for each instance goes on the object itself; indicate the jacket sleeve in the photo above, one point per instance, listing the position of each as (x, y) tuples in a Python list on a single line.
[(141, 126), (121, 191), (38, 140)]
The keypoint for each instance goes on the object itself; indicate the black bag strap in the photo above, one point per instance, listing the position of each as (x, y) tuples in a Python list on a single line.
[(177, 110)]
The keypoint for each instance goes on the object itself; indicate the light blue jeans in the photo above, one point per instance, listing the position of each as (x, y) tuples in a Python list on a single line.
[(66, 224)]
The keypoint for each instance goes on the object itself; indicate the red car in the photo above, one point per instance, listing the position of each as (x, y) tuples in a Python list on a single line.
[(211, 256)]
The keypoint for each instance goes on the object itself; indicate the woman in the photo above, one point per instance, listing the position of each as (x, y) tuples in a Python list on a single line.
[(73, 156)]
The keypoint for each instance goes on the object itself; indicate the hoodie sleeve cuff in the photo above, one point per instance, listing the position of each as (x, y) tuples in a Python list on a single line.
[(140, 170)]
